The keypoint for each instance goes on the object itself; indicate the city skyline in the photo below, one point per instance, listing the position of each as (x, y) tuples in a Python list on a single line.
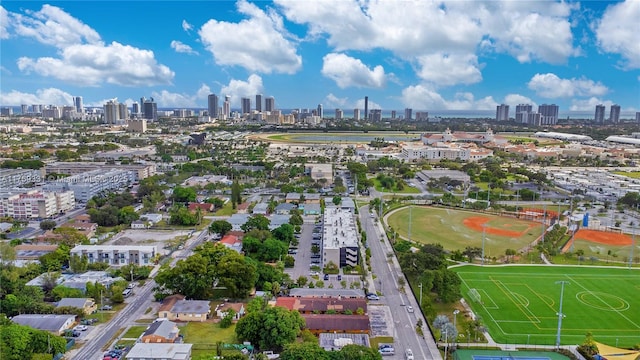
[(576, 55)]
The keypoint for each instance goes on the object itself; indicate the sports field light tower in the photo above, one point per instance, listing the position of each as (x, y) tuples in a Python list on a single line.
[(560, 314)]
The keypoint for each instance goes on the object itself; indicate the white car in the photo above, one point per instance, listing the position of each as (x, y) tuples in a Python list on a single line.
[(81, 328), (408, 354), (410, 309)]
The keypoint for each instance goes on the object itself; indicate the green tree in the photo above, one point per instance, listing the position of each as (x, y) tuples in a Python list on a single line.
[(304, 351), (184, 194), (78, 264), (236, 197), (48, 225), (285, 233), (127, 215), (358, 352), (18, 342), (70, 236), (270, 329), (227, 320), (220, 227), (259, 222)]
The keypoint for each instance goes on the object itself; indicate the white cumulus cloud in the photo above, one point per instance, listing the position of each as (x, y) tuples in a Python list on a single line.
[(588, 104), (449, 69), (4, 23), (91, 65), (423, 97), (259, 43), (181, 47), (182, 100), (42, 96), (549, 85), (517, 99), (238, 89), (84, 59), (351, 72), (617, 31)]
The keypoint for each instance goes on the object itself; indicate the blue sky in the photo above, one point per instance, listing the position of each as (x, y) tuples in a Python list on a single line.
[(427, 55)]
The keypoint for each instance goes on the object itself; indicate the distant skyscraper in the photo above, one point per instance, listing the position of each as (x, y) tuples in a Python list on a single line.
[(123, 111), (24, 109), (638, 116), (36, 109), (614, 114), (408, 113), (522, 113), (77, 102), (135, 110), (366, 108), (270, 104), (226, 106), (599, 116), (245, 105), (259, 103), (6, 111), (212, 105), (502, 112), (393, 114), (150, 109), (376, 115), (422, 116), (356, 114), (110, 112), (142, 100), (339, 114), (320, 111), (548, 114)]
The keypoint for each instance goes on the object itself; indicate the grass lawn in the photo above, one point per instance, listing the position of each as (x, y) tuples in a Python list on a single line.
[(631, 174), (445, 226), (226, 210), (205, 335), (134, 332), (519, 304), (376, 341), (406, 190)]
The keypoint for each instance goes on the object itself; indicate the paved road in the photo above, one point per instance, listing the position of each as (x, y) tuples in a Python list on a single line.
[(386, 283), (136, 306)]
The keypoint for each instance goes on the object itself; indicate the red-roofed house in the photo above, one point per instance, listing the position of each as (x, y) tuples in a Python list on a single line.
[(232, 242), (312, 305), (202, 206), (324, 323)]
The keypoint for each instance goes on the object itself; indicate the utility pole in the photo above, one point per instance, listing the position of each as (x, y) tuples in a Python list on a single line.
[(483, 238), (420, 286), (560, 314)]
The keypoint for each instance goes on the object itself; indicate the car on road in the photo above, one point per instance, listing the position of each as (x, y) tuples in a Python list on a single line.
[(339, 277), (408, 354), (107, 307), (81, 328), (131, 286), (326, 277), (410, 309), (386, 350)]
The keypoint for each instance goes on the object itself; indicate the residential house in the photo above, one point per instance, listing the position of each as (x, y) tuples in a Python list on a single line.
[(222, 310), (237, 220), (242, 208), (139, 224), (185, 310), (33, 251), (161, 331), (284, 208), (153, 218), (275, 221), (5, 227), (293, 198), (312, 209), (232, 242), (88, 305), (260, 208), (324, 293), (320, 172), (321, 323), (143, 351), (312, 198), (55, 324), (314, 305)]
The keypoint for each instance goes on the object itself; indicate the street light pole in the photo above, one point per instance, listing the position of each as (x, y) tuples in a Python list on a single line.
[(420, 286), (560, 314), (409, 233), (633, 244), (484, 226), (455, 318)]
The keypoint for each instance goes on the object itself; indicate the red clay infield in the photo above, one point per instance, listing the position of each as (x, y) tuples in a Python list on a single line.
[(604, 237), (476, 222)]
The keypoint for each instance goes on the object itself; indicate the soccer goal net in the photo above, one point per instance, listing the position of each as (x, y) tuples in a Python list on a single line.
[(474, 295)]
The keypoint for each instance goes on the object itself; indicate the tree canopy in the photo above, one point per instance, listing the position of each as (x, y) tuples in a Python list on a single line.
[(271, 328)]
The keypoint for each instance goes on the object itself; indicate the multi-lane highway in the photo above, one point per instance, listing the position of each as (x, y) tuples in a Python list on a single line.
[(387, 272)]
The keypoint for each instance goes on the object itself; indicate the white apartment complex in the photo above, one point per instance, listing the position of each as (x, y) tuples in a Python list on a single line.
[(117, 255), (339, 238), (446, 152), (17, 177), (34, 204), (92, 183)]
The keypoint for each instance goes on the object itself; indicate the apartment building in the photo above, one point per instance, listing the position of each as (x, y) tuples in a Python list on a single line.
[(17, 177), (339, 238), (92, 183), (117, 255), (34, 204)]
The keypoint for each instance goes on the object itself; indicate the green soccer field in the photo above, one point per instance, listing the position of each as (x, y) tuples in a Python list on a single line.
[(519, 304)]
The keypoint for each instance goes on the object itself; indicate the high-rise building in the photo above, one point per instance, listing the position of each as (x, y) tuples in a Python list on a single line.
[(320, 111), (212, 105), (246, 105), (376, 115), (422, 116), (259, 103), (638, 116), (502, 112), (548, 114), (614, 114), (6, 111), (522, 113), (123, 111), (339, 114), (77, 102), (408, 113), (599, 116), (36, 109), (393, 114), (226, 107), (366, 108), (270, 104), (356, 114), (110, 112), (24, 109), (150, 109), (135, 110)]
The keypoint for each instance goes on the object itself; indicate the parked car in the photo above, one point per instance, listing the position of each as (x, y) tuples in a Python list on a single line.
[(81, 328), (326, 277), (107, 307), (410, 309), (373, 297), (339, 277), (386, 350), (131, 286)]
